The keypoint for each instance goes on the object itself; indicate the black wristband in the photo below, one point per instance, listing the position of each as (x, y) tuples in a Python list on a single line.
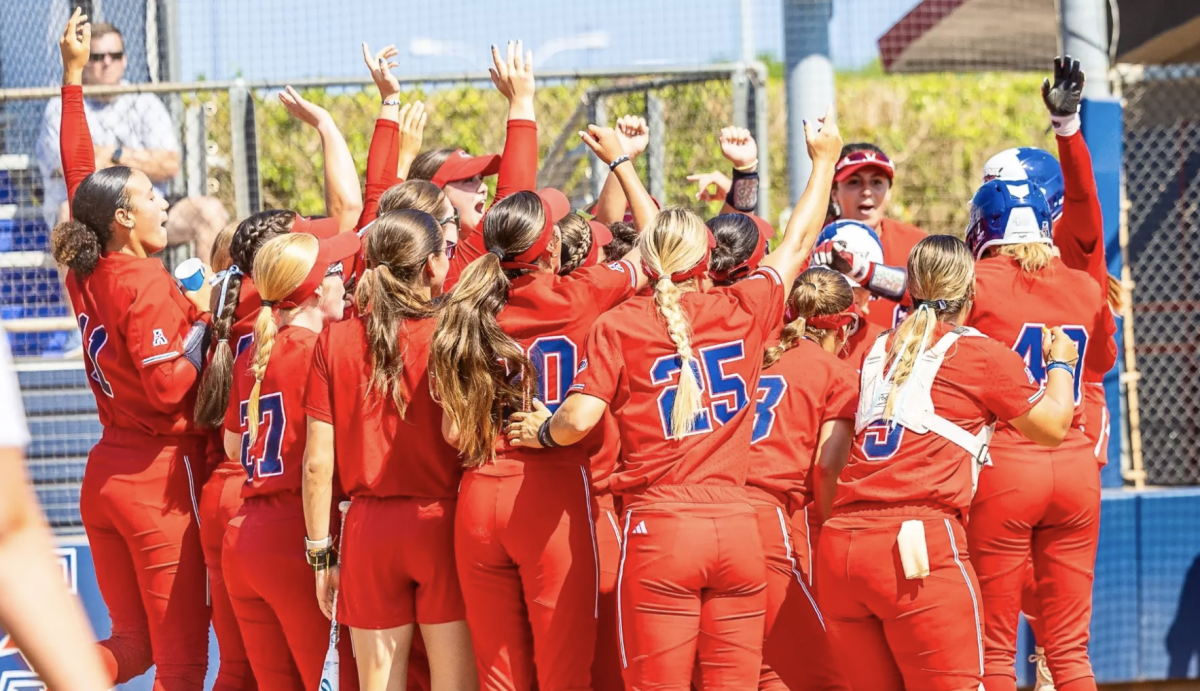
[(544, 437), (616, 162), (743, 191)]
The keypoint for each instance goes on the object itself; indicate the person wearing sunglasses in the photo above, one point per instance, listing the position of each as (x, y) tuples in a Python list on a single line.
[(862, 190), (132, 130)]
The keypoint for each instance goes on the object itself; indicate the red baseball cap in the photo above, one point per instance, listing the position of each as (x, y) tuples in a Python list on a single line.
[(765, 229), (855, 161), (331, 255), (601, 236), (555, 207), (461, 165), (323, 228)]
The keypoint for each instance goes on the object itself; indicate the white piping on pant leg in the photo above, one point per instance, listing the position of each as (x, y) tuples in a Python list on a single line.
[(808, 544), (613, 522), (587, 493), (620, 579), (1104, 432), (970, 589), (787, 543), (187, 463)]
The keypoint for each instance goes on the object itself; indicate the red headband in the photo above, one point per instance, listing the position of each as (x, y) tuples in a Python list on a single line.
[(555, 207), (765, 233), (681, 276), (601, 236), (331, 254), (851, 316)]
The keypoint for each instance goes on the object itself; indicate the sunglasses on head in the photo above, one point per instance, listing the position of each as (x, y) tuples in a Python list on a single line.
[(866, 156), (115, 56)]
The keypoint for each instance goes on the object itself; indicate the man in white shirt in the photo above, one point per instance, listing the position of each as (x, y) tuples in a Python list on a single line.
[(132, 130)]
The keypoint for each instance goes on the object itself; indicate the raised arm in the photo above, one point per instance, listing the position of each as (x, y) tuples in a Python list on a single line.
[(343, 198), (513, 77), (384, 153), (634, 134), (74, 138), (792, 253)]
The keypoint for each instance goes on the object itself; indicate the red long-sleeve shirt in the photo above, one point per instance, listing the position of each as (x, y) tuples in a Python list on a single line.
[(382, 159), (518, 172), (1079, 234)]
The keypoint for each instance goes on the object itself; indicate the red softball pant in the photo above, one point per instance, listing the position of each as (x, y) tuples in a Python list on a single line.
[(1045, 503), (891, 633), (138, 503), (525, 545), (796, 651), (219, 503), (273, 593), (692, 583), (606, 665)]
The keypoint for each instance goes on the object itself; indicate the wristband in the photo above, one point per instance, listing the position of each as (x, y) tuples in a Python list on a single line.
[(390, 102), (320, 559), (1065, 125), (743, 191), (544, 437), (1059, 364), (195, 344), (313, 546), (617, 161), (750, 167), (887, 281)]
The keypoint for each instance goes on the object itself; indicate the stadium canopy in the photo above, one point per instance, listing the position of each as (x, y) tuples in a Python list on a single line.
[(971, 35)]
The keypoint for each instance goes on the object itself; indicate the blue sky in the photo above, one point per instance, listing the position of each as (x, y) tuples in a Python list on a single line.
[(276, 39)]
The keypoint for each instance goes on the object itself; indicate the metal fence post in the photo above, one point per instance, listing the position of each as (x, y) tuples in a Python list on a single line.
[(810, 80), (195, 151), (599, 117), (741, 96), (656, 149), (762, 129), (244, 144)]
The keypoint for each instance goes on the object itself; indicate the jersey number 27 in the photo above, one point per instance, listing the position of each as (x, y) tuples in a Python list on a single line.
[(271, 424)]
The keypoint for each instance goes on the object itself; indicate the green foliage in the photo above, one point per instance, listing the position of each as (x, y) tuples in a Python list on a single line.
[(938, 128)]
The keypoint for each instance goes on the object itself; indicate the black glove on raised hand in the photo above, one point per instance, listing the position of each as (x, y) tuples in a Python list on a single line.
[(1063, 96)]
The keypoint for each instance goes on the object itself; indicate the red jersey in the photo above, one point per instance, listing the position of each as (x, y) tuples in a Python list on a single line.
[(898, 240), (858, 345), (631, 363), (549, 316), (241, 334), (275, 462), (805, 389), (1012, 306), (133, 319), (981, 381), (378, 454)]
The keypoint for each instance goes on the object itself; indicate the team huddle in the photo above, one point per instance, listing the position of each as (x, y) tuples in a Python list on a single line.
[(528, 447)]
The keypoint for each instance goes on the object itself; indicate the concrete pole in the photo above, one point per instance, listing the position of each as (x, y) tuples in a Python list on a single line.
[(1085, 37), (810, 87)]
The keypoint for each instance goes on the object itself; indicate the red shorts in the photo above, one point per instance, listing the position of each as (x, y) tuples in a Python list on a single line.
[(398, 564)]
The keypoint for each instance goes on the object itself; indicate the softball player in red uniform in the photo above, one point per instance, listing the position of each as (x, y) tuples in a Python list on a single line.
[(803, 426), (862, 192), (144, 347), (524, 537), (1055, 515), (898, 592), (372, 419), (680, 394), (270, 585)]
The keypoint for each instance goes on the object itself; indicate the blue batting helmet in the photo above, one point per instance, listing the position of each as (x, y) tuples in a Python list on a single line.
[(1035, 165), (859, 239), (1007, 212)]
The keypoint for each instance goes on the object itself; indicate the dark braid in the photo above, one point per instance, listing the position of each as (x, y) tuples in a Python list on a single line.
[(213, 394)]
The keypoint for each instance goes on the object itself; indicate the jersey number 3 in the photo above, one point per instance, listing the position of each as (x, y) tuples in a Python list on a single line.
[(271, 424)]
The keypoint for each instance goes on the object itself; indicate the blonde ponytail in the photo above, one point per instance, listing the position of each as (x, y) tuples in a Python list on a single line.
[(688, 401), (817, 292), (1030, 256), (265, 330)]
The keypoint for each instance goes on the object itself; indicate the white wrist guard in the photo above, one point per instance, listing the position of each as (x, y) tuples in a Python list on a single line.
[(1065, 126)]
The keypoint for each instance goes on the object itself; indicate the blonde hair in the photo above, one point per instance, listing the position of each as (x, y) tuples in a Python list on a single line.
[(817, 291), (219, 257), (677, 240), (280, 266), (940, 268), (1030, 256), (414, 194)]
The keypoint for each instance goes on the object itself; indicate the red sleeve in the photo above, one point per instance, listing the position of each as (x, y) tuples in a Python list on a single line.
[(382, 160), (600, 370), (1102, 349), (841, 401), (155, 328), (1080, 231), (519, 164), (1002, 382), (75, 140), (316, 394), (762, 294), (610, 284)]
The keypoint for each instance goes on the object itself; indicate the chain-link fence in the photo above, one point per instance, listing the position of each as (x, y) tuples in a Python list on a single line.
[(1162, 181)]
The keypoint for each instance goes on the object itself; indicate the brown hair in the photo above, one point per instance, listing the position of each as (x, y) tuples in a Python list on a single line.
[(478, 371), (818, 291), (414, 194), (280, 266), (940, 267), (426, 164), (396, 251), (212, 395), (219, 258), (625, 236), (79, 243), (100, 29), (576, 243)]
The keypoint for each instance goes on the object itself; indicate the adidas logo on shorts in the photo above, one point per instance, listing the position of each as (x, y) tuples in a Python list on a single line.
[(640, 529)]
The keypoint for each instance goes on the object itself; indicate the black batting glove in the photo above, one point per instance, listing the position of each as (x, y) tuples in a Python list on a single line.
[(1063, 96)]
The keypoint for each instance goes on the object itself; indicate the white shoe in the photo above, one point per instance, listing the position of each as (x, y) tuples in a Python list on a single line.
[(1044, 681)]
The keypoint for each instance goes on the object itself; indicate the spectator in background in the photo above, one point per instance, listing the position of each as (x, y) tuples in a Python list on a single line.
[(46, 623), (132, 130)]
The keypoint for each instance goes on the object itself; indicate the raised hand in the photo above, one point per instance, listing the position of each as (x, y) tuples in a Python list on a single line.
[(381, 70), (604, 142), (634, 134), (513, 75), (825, 142), (1063, 96), (412, 132), (738, 147), (305, 111), (711, 187), (76, 47)]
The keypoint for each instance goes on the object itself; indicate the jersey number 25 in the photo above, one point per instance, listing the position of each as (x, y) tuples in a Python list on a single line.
[(726, 392)]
